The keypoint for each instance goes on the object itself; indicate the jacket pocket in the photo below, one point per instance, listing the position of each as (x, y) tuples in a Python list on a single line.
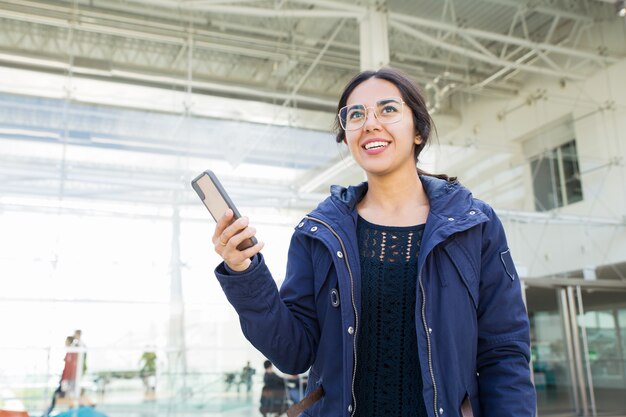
[(314, 383), (458, 262)]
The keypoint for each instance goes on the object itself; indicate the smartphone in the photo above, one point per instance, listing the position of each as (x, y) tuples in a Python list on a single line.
[(217, 201)]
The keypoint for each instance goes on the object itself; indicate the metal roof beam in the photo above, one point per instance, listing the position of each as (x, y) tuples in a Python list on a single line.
[(481, 57), (335, 12), (332, 5), (536, 6), (498, 37)]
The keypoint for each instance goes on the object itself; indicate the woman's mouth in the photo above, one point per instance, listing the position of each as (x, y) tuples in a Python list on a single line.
[(375, 147)]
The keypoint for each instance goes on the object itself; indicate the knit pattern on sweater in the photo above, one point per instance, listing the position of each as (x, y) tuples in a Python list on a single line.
[(388, 377)]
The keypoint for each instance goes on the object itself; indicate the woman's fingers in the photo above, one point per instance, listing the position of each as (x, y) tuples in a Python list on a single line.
[(222, 224), (240, 260), (227, 238), (236, 227)]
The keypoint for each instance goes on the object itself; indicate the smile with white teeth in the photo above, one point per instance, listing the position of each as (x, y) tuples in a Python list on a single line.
[(374, 145)]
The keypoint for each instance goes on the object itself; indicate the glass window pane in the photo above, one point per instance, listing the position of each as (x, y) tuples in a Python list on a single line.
[(571, 171), (556, 177), (543, 171)]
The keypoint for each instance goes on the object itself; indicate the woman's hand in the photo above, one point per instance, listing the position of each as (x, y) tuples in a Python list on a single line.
[(228, 236)]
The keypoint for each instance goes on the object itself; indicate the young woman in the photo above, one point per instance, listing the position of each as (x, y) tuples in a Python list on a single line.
[(400, 294)]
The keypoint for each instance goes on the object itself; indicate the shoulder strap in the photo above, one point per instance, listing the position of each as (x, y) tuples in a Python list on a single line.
[(309, 400)]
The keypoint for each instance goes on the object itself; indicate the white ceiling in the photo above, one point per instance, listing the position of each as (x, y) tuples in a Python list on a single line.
[(271, 66), (264, 50)]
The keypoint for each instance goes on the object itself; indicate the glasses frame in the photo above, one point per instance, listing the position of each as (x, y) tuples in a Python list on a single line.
[(375, 115)]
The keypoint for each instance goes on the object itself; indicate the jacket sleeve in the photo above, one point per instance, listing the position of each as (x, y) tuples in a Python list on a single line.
[(283, 326), (503, 354)]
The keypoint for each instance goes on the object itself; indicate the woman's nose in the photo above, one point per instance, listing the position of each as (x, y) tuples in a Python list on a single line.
[(371, 122)]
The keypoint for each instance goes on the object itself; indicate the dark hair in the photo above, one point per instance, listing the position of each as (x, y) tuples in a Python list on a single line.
[(267, 364), (410, 95)]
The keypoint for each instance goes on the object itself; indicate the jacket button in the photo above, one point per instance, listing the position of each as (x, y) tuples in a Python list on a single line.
[(301, 224), (450, 219), (430, 330), (350, 408), (441, 411), (351, 330), (314, 228), (334, 297), (472, 212), (339, 254)]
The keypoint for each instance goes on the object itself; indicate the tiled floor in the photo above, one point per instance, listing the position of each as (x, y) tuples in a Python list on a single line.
[(232, 404)]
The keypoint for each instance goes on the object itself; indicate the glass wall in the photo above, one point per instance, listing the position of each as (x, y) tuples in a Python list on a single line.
[(578, 351), (101, 231)]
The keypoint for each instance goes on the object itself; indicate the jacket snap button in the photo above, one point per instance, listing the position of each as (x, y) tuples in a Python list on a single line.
[(451, 219), (441, 411), (301, 224), (430, 330), (472, 212), (350, 408), (334, 297), (314, 228), (339, 254), (351, 330)]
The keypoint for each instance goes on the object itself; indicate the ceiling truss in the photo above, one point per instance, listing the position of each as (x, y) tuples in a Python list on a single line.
[(271, 46), (291, 54)]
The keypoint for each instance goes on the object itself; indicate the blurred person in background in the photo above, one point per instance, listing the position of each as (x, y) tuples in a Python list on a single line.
[(246, 376), (66, 386)]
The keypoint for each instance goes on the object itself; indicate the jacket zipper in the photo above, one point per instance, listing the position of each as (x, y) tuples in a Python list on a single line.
[(430, 357), (356, 316)]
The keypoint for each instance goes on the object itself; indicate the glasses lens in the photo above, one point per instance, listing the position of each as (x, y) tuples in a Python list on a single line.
[(389, 110), (352, 117)]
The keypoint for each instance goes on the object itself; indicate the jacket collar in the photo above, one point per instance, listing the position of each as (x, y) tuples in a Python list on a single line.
[(446, 198)]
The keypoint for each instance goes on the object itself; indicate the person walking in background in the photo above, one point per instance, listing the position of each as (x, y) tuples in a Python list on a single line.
[(400, 294), (273, 393), (147, 372), (65, 389), (70, 369), (246, 376), (270, 379)]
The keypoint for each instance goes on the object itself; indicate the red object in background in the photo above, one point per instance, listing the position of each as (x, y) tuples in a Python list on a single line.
[(7, 413), (69, 370)]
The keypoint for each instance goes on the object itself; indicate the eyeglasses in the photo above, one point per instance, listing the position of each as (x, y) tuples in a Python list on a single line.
[(388, 110)]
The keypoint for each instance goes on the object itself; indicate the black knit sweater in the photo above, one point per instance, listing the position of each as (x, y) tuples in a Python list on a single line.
[(388, 378)]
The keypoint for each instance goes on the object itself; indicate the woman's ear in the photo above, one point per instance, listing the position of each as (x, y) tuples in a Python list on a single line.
[(418, 139)]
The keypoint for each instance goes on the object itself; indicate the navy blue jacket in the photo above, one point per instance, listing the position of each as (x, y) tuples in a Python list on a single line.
[(472, 326)]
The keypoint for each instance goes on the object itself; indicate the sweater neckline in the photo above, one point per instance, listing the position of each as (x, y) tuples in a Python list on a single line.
[(412, 228)]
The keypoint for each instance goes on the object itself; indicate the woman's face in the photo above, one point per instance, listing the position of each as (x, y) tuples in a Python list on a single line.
[(381, 148)]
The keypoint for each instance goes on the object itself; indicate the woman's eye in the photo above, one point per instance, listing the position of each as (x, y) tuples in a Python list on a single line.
[(389, 109), (356, 114)]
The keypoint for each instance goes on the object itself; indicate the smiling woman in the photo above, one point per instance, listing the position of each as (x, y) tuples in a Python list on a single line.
[(403, 275)]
